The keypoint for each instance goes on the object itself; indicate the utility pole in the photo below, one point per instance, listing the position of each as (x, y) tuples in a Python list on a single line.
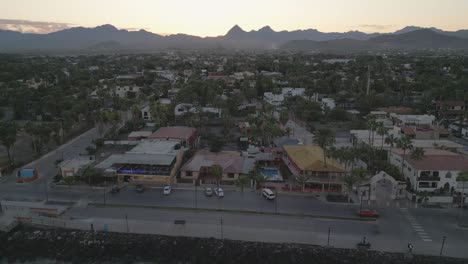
[(45, 190), (222, 235), (443, 244), (276, 201), (196, 203), (126, 222), (328, 240)]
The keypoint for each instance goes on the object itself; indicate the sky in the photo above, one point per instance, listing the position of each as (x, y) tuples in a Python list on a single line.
[(216, 17)]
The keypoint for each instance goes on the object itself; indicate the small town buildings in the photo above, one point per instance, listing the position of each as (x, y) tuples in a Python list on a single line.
[(187, 136), (139, 135), (244, 127), (438, 170), (74, 167), (198, 168), (308, 161), (412, 120), (151, 162), (450, 109), (183, 109), (146, 113), (125, 91)]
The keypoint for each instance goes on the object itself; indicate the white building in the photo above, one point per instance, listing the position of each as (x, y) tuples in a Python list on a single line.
[(273, 99), (438, 170), (71, 167), (123, 91), (182, 109), (417, 120), (328, 102)]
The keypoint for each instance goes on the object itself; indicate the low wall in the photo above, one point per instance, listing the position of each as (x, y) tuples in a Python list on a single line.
[(27, 244)]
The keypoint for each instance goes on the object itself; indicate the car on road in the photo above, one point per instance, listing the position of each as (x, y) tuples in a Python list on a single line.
[(140, 188), (268, 194), (208, 191), (167, 190), (115, 189), (219, 192), (367, 213)]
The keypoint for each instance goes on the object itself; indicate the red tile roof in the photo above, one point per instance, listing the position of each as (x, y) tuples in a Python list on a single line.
[(176, 132), (408, 130), (443, 162)]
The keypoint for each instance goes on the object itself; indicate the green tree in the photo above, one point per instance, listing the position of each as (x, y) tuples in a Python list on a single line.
[(405, 144), (259, 178), (324, 138), (417, 154), (356, 177), (390, 140), (217, 172), (242, 181), (8, 131), (381, 131)]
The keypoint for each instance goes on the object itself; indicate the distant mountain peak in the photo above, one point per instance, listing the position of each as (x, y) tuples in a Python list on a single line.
[(108, 27), (266, 29), (235, 30)]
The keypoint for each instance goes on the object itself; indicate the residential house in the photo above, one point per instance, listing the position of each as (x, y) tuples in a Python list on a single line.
[(75, 166), (198, 168), (308, 161), (450, 109), (187, 136), (244, 127), (139, 135), (127, 90), (437, 171)]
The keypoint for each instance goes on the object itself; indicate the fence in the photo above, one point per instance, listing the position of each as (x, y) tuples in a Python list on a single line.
[(80, 224)]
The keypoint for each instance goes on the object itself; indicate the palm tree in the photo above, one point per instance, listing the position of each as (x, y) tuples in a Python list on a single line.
[(417, 154), (390, 140), (381, 131), (462, 177), (259, 179), (242, 181), (302, 180), (217, 172), (357, 176), (371, 124), (324, 137), (8, 137), (405, 144)]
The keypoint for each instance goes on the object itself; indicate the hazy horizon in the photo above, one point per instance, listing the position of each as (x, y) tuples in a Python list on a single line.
[(211, 18)]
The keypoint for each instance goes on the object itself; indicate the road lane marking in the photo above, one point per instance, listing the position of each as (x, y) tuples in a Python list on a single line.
[(415, 225)]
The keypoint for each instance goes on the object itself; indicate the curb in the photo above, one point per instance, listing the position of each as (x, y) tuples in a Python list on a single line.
[(235, 211)]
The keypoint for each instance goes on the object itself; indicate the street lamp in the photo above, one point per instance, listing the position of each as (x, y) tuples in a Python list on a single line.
[(360, 206), (443, 244)]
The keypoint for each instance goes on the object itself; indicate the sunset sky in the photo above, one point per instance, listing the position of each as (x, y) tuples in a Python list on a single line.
[(216, 17)]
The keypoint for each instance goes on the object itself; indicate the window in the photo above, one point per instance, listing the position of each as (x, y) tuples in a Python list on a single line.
[(448, 175), (230, 175), (188, 174)]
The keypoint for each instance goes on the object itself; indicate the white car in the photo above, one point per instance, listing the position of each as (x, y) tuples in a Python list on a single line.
[(167, 190), (219, 192)]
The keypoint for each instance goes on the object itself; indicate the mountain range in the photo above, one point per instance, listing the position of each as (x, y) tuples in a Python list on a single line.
[(107, 38)]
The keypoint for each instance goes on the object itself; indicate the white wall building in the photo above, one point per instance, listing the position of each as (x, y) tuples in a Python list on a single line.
[(123, 91), (437, 170)]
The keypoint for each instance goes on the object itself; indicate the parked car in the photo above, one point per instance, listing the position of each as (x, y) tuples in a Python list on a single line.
[(219, 192), (208, 191), (139, 188), (167, 190), (268, 194), (368, 213), (115, 189)]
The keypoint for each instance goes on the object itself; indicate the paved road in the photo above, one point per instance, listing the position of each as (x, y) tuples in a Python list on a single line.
[(391, 233)]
